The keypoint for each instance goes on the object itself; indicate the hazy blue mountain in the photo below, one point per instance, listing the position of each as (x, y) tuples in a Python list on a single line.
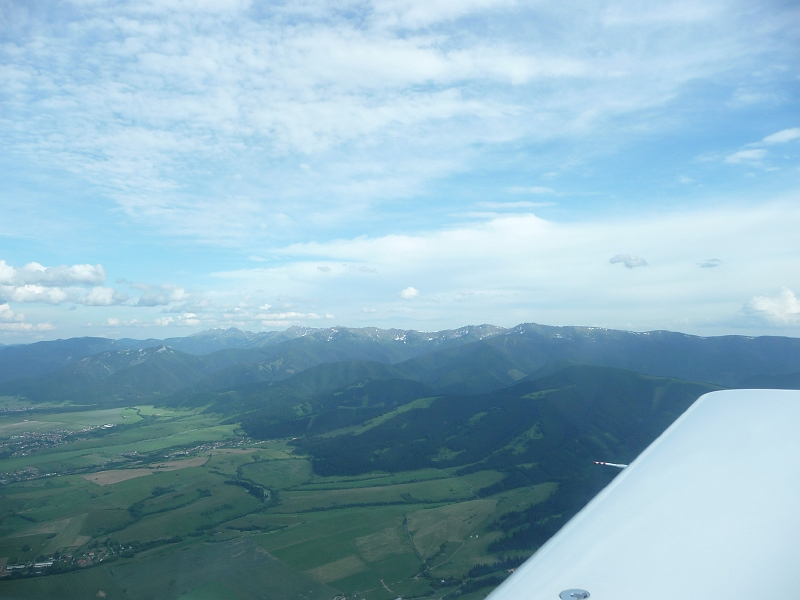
[(213, 340), (468, 360), (285, 352), (133, 374), (790, 381), (532, 350), (469, 369), (317, 346), (724, 360), (391, 345), (288, 394), (30, 360)]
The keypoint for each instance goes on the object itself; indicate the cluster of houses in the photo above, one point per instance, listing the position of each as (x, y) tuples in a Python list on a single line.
[(31, 441)]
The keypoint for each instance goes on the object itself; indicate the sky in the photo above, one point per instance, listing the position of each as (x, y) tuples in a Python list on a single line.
[(170, 166)]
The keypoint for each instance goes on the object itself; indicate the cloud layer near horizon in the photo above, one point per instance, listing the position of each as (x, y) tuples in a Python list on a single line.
[(508, 269), (398, 163)]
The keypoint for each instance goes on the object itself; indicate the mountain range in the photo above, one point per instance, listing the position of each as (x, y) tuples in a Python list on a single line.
[(534, 403), (204, 367)]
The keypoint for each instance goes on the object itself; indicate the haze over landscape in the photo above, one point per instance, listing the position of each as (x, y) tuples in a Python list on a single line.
[(170, 167)]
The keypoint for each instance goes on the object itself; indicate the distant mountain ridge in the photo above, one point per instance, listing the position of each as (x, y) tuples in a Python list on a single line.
[(468, 360)]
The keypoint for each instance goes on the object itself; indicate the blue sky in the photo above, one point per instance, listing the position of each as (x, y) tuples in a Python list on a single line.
[(170, 166)]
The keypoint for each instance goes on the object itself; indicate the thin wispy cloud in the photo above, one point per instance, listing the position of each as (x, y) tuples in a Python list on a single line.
[(514, 205), (536, 189), (710, 263), (371, 104), (781, 137), (319, 157), (746, 156)]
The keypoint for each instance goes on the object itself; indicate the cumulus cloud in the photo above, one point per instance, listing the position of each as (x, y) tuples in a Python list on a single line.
[(103, 296), (35, 293), (630, 261), (15, 322), (62, 276), (160, 295), (781, 309), (746, 156), (781, 137), (55, 285), (7, 315), (409, 293)]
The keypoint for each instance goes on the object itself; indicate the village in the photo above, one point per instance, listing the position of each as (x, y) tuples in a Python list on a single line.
[(59, 563), (30, 441)]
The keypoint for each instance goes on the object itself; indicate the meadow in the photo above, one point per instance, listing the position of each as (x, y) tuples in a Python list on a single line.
[(173, 503)]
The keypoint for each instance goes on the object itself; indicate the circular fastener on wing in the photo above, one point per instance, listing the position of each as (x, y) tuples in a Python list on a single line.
[(573, 595)]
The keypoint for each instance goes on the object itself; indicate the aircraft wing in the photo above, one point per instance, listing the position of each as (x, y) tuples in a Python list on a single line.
[(711, 509)]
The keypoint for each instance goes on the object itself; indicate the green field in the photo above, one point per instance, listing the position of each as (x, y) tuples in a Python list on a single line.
[(178, 520)]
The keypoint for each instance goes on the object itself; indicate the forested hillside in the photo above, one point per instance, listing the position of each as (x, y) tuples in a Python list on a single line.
[(335, 462)]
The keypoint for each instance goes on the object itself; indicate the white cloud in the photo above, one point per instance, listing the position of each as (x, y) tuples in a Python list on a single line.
[(55, 285), (63, 276), (515, 268), (7, 315), (786, 135), (35, 293), (746, 156), (103, 296), (377, 99), (26, 327), (160, 295), (630, 261), (513, 205), (536, 189), (422, 13), (189, 320), (782, 309), (15, 322)]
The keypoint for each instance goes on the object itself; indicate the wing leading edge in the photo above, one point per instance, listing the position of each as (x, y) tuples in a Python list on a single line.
[(711, 509)]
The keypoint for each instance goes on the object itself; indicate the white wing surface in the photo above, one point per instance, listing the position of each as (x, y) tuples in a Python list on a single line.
[(711, 509)]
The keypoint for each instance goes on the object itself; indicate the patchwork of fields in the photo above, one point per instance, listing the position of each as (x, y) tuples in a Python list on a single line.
[(173, 503)]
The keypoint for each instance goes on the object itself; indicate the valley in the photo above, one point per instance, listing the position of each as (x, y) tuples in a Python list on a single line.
[(153, 473)]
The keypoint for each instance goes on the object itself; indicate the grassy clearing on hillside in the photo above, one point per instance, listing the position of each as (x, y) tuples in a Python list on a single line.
[(279, 474), (375, 479), (438, 490)]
